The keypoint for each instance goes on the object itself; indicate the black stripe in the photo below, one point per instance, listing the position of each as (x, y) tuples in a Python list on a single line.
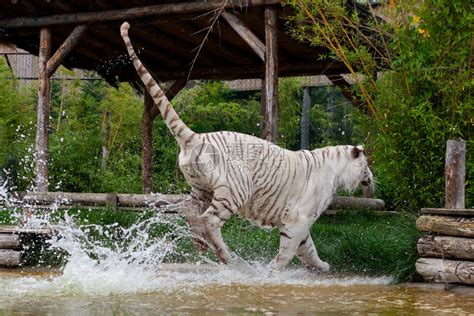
[(303, 241), (285, 235)]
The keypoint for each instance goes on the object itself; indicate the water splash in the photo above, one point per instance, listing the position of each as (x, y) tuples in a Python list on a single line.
[(142, 258)]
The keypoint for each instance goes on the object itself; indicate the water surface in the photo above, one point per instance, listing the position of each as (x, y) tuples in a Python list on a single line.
[(217, 289)]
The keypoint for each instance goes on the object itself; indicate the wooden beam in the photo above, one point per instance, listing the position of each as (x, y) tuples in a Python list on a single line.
[(270, 126), (246, 34), (455, 173), (175, 88), (147, 145), (131, 13), (66, 47), (252, 71), (341, 202), (42, 121), (345, 89), (143, 200)]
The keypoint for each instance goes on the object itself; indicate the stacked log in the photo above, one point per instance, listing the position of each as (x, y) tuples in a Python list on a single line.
[(10, 249), (447, 254), (12, 240)]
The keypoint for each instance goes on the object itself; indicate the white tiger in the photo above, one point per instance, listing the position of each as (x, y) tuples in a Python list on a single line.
[(233, 173)]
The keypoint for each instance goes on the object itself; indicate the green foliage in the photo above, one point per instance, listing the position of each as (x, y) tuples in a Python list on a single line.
[(334, 121), (364, 243), (427, 101), (424, 96)]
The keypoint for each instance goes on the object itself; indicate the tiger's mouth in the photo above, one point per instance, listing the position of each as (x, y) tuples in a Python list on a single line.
[(368, 187)]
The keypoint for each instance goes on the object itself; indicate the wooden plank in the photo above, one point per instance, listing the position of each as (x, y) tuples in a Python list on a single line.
[(341, 202), (86, 199), (25, 231), (446, 247), (246, 34), (446, 271), (42, 120), (131, 13), (66, 47), (9, 241), (455, 173), (270, 128), (10, 258), (447, 211), (144, 200), (446, 225)]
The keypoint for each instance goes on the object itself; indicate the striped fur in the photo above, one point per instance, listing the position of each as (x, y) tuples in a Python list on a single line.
[(233, 173)]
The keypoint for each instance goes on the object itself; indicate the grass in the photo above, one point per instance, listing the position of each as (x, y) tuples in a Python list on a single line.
[(358, 242)]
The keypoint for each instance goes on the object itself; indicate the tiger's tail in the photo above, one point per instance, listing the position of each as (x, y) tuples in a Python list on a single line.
[(183, 134)]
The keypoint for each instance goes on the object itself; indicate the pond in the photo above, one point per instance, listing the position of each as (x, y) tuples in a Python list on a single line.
[(241, 288)]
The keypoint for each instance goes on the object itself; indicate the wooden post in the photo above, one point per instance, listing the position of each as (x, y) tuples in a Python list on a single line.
[(147, 145), (104, 135), (42, 121), (150, 111), (305, 119), (270, 127), (455, 173)]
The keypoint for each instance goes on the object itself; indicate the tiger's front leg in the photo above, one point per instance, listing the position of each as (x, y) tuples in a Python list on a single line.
[(308, 255), (290, 239)]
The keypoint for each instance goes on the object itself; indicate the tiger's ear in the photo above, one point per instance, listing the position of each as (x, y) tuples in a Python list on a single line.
[(356, 150)]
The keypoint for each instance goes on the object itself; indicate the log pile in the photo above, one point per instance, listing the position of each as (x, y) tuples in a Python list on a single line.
[(12, 240), (10, 249), (447, 254)]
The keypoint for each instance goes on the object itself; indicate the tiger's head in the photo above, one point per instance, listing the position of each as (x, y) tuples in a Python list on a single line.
[(357, 172)]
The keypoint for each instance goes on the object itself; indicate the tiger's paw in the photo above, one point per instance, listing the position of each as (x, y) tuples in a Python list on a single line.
[(322, 266)]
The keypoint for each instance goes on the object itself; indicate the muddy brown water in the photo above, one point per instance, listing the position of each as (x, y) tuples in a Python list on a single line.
[(189, 289)]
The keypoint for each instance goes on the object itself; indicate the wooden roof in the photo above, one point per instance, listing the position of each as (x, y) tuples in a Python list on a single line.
[(167, 41)]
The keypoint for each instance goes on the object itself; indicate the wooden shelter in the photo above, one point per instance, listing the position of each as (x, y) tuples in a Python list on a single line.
[(177, 41)]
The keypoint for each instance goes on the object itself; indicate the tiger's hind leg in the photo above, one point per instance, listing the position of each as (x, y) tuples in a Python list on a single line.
[(209, 226), (192, 207), (308, 255)]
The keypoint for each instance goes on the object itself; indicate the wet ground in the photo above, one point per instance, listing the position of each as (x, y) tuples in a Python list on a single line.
[(205, 289)]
